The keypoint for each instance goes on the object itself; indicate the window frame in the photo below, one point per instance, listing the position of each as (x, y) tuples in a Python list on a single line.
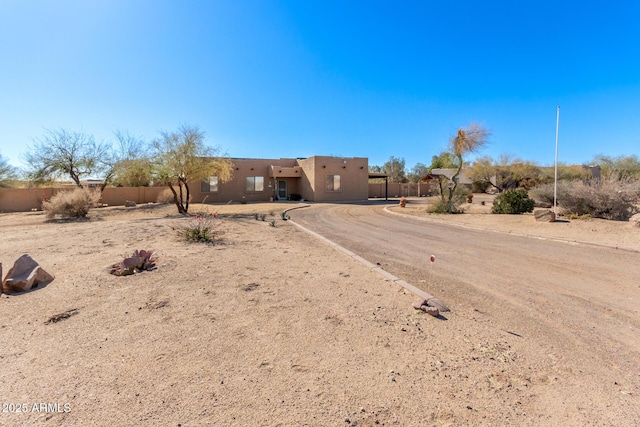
[(207, 184), (330, 183), (251, 184)]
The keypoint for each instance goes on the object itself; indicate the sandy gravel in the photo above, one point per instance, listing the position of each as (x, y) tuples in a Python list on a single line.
[(267, 327)]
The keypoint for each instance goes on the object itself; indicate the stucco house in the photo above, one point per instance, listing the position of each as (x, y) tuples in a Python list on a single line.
[(316, 179)]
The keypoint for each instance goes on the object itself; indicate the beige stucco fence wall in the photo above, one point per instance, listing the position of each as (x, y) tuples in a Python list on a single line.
[(26, 199)]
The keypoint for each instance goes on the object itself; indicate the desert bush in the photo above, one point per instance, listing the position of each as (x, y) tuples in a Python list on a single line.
[(512, 202), (458, 198), (543, 194), (612, 197), (165, 197), (72, 204), (202, 228)]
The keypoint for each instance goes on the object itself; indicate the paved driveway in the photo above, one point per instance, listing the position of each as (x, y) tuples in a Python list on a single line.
[(538, 289)]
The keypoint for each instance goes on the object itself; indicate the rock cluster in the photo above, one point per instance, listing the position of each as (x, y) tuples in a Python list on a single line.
[(433, 306)]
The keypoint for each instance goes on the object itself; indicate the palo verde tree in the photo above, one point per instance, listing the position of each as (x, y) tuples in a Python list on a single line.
[(131, 164), (181, 157), (65, 153), (467, 140)]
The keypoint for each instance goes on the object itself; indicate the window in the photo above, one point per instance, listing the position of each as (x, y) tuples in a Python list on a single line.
[(333, 182), (209, 185), (255, 183)]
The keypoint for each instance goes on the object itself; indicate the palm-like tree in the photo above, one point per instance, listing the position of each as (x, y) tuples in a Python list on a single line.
[(467, 140)]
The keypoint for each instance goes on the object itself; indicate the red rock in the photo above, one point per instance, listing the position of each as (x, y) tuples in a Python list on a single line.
[(418, 304), (24, 274)]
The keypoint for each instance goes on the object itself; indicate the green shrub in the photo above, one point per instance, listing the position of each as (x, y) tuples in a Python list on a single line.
[(72, 204), (455, 206), (202, 228), (512, 202)]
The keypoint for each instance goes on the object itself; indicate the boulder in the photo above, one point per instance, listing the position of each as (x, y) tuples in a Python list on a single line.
[(25, 274), (544, 215), (635, 220)]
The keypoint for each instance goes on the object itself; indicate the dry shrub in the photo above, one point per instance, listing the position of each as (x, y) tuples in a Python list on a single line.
[(611, 197), (72, 204), (165, 197), (202, 228)]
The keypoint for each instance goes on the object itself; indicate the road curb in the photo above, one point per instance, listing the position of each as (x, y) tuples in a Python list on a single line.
[(372, 267)]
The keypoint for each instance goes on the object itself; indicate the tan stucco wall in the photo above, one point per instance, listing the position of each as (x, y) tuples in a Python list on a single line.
[(26, 199), (310, 185), (235, 189), (354, 178)]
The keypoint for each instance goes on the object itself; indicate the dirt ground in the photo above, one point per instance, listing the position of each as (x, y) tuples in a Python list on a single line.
[(267, 327)]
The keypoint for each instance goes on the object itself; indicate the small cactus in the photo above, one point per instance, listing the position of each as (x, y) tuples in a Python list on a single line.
[(139, 261)]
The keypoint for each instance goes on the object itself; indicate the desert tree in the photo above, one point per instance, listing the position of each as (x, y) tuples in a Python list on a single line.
[(181, 157), (566, 172), (466, 141), (130, 165), (507, 172), (62, 153), (395, 169), (419, 171), (444, 160), (620, 167), (8, 173)]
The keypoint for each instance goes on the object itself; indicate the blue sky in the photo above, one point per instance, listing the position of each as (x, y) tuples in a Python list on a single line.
[(270, 79)]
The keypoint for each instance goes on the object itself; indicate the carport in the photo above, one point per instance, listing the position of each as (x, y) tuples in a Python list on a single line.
[(386, 182)]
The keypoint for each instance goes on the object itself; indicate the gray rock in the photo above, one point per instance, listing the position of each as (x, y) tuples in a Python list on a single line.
[(129, 204)]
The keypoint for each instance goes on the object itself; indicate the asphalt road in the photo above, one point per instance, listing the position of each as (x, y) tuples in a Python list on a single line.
[(582, 297)]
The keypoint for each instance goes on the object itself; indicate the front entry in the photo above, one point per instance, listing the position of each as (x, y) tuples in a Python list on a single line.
[(282, 189)]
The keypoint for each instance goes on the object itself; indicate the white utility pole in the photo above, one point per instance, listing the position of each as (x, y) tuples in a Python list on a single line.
[(555, 182)]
